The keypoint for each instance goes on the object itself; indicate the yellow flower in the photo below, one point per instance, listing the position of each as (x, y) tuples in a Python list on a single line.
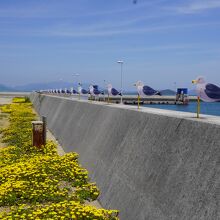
[(38, 183)]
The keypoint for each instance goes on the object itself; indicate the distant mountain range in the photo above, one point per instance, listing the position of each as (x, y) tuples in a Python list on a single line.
[(39, 86), (167, 92), (4, 88), (45, 86), (58, 85)]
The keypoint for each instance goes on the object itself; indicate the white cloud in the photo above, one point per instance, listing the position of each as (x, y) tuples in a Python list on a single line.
[(117, 31), (87, 31), (197, 6)]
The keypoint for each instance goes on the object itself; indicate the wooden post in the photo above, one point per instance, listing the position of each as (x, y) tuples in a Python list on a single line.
[(37, 134), (108, 99)]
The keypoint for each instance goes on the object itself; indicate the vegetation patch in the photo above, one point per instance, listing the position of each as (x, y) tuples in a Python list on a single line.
[(37, 183)]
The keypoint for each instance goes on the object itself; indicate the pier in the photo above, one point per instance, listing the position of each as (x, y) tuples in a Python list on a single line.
[(132, 100)]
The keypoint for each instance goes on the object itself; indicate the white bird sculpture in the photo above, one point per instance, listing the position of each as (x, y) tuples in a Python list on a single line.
[(206, 91), (112, 91), (82, 91), (144, 90), (93, 90), (73, 91)]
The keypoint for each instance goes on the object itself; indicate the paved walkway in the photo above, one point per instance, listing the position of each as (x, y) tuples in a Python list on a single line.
[(5, 100), (3, 118)]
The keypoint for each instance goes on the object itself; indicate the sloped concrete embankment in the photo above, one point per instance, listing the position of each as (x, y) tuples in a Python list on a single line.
[(149, 166)]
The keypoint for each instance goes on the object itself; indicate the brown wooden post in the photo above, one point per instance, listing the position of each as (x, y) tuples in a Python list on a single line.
[(37, 133)]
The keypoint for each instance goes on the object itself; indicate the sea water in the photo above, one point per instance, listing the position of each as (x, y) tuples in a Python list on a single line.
[(207, 108)]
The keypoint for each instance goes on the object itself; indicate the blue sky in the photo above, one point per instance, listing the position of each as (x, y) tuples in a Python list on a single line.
[(160, 41)]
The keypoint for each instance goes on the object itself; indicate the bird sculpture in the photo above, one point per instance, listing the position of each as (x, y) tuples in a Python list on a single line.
[(145, 90), (81, 90), (94, 91), (68, 91), (208, 92), (112, 91), (73, 91)]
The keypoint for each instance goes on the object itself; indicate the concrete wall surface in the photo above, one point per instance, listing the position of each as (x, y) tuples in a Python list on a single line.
[(150, 164)]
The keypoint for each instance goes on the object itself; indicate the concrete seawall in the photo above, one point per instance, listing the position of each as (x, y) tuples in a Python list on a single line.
[(149, 164)]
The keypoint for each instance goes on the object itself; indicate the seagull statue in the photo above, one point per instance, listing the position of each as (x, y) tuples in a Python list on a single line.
[(206, 91), (73, 91), (112, 91), (94, 91), (82, 91), (145, 90), (68, 91)]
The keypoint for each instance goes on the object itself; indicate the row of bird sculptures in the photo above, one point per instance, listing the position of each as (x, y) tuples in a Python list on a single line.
[(93, 90), (206, 91)]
